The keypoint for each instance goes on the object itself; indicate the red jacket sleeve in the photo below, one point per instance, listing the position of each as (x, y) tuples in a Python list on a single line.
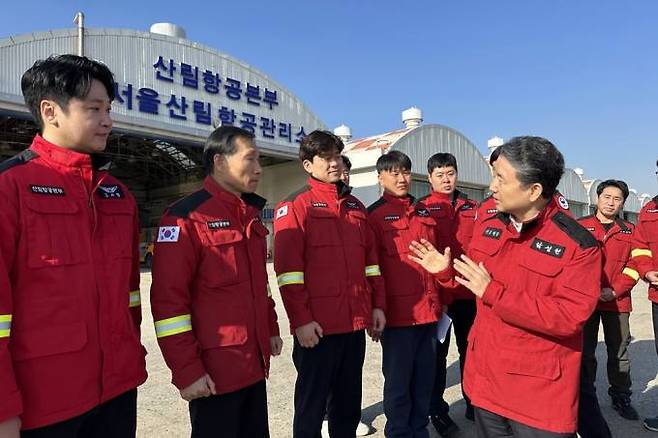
[(373, 271), (642, 259), (135, 297), (174, 268), (272, 316), (289, 264), (562, 313), (10, 398)]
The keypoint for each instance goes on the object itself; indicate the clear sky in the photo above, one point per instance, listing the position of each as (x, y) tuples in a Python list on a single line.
[(582, 73)]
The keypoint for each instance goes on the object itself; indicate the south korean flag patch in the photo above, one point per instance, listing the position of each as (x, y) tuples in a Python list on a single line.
[(281, 212), (168, 234)]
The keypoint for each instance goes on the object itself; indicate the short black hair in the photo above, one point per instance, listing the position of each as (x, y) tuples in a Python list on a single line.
[(319, 143), (62, 78), (222, 142), (392, 161), (535, 159), (346, 162), (621, 185), (441, 159)]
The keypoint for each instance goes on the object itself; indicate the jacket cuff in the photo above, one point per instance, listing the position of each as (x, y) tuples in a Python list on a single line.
[(444, 276), (11, 406), (186, 376), (492, 293), (299, 319)]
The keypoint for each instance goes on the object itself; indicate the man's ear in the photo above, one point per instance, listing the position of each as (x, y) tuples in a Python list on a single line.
[(49, 111), (307, 165), (536, 190)]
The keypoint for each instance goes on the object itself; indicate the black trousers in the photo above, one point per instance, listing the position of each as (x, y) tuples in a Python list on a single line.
[(238, 414), (490, 425), (654, 317), (408, 355), (116, 418), (329, 377), (617, 335), (462, 313)]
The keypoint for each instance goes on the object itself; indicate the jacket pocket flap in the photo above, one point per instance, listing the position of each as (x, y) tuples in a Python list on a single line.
[(65, 338)]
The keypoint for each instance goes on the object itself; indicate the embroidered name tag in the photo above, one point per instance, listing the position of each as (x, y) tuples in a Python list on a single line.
[(216, 225), (548, 248), (492, 233), (319, 204), (47, 190), (392, 217)]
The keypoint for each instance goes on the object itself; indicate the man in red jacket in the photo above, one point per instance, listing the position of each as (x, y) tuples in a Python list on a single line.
[(644, 259), (329, 277), (413, 301), (70, 353), (454, 214), (536, 272), (613, 310), (214, 316)]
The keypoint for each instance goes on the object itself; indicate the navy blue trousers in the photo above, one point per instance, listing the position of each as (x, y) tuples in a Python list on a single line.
[(409, 365)]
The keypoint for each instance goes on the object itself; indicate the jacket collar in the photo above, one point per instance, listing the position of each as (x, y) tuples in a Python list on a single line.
[(404, 201), (337, 190), (246, 199), (67, 157), (544, 216)]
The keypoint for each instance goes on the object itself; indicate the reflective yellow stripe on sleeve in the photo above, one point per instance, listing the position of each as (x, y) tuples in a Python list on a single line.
[(372, 271), (641, 252), (5, 326), (135, 298), (173, 326), (290, 278), (631, 273)]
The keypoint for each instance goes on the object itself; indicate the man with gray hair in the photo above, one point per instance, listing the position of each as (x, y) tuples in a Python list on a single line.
[(536, 273)]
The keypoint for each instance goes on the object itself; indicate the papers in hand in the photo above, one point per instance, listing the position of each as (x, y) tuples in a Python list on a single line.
[(442, 327)]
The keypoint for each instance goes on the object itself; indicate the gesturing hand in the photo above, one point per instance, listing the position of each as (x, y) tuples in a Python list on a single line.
[(474, 276), (427, 256)]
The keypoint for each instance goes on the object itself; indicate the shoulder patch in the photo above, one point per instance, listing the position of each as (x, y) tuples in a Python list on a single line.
[(375, 205), (291, 197), (20, 158), (573, 229), (183, 207)]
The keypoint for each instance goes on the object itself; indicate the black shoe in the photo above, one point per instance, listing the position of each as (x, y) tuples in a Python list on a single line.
[(623, 406), (470, 415), (651, 423), (444, 425)]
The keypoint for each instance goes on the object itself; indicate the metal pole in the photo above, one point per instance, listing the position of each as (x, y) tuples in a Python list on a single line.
[(79, 19)]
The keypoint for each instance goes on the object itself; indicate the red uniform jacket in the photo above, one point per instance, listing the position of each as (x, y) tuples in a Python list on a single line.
[(69, 274), (455, 218), (525, 346), (616, 246), (211, 305), (326, 259), (644, 255), (412, 295)]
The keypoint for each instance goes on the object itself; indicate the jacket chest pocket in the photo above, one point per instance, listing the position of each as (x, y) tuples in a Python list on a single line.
[(540, 271), (622, 248), (396, 236), (53, 228), (222, 257), (116, 227), (322, 228)]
